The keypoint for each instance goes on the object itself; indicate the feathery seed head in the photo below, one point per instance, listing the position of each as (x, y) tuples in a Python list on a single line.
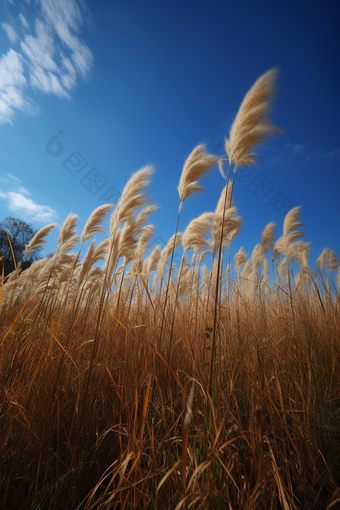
[(197, 165), (132, 197), (38, 240), (251, 125), (93, 224), (68, 229)]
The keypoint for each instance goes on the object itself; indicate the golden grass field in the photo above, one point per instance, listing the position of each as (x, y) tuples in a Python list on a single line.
[(128, 383)]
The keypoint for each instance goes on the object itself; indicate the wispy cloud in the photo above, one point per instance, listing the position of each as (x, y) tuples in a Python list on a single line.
[(322, 154), (300, 150), (23, 21), (20, 203), (10, 177), (11, 33), (14, 178), (23, 191), (297, 148), (49, 59), (12, 82)]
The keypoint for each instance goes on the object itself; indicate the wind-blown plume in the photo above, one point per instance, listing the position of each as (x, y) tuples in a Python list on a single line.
[(251, 125), (267, 238), (322, 260), (303, 251), (166, 252), (112, 256), (333, 261), (232, 224), (93, 225), (246, 270), (240, 259), (101, 250), (68, 229), (143, 216), (143, 245), (151, 262), (128, 241), (221, 201), (197, 165), (195, 233), (256, 257), (38, 240), (87, 263), (132, 197), (291, 222)]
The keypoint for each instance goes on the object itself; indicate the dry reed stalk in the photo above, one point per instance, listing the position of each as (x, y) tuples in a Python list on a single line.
[(132, 198), (250, 128), (197, 165)]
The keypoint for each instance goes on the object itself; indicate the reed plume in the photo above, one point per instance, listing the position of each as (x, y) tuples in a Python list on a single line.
[(143, 245), (323, 259), (240, 259), (101, 250), (38, 240), (88, 261), (151, 262), (166, 252), (68, 230), (195, 234), (290, 234), (251, 126), (128, 241), (333, 261), (132, 197), (267, 238), (223, 201), (94, 223), (196, 166)]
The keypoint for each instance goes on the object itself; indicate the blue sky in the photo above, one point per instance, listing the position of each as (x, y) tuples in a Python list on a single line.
[(133, 83)]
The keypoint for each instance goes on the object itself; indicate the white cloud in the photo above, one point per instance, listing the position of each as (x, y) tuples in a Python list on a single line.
[(50, 60), (23, 191), (66, 18), (322, 154), (25, 207), (40, 49), (11, 33), (332, 153), (23, 21), (298, 149), (69, 79), (14, 178), (12, 81)]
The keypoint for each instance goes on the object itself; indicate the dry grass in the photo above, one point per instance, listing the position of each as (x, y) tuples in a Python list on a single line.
[(138, 385)]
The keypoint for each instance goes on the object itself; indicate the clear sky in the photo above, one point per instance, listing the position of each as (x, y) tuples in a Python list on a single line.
[(130, 83)]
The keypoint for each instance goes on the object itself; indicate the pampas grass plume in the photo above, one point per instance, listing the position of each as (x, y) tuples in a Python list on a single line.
[(251, 125), (197, 165), (93, 225), (68, 229), (38, 240), (132, 197)]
